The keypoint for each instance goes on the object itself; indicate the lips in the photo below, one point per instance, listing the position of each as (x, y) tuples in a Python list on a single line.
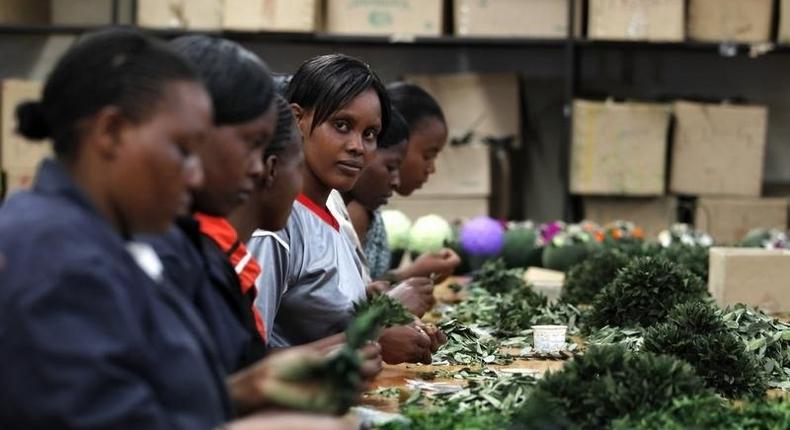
[(244, 194), (350, 167)]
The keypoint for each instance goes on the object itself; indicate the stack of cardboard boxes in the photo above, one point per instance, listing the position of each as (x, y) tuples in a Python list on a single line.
[(478, 109)]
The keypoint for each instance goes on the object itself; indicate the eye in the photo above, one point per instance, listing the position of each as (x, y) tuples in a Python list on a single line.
[(371, 134), (342, 126)]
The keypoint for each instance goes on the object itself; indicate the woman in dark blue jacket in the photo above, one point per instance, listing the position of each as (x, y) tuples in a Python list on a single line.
[(92, 335)]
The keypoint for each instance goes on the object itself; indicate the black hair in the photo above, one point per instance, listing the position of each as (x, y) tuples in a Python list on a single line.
[(117, 67), (284, 130), (397, 132), (327, 83), (414, 103), (281, 83), (239, 82)]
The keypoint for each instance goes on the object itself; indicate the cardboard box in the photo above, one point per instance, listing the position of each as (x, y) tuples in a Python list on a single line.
[(385, 17), (756, 277), (784, 21), (460, 171), (81, 12), (718, 149), (271, 15), (651, 214), (514, 18), (619, 148), (650, 20), (17, 153), (746, 21), (188, 14), (481, 106), (24, 12), (450, 207), (728, 220)]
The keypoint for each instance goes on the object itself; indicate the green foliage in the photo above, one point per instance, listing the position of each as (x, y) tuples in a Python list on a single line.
[(563, 258), (588, 278), (495, 277), (692, 257), (521, 248), (486, 403), (441, 418), (708, 412), (630, 338), (610, 382), (696, 333), (372, 315), (766, 337), (643, 293), (342, 370), (466, 346)]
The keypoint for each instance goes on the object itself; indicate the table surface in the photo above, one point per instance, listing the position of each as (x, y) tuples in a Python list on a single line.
[(396, 376)]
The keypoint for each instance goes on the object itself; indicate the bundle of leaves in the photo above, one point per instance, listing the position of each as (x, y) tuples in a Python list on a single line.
[(643, 293), (630, 338), (695, 332), (610, 382), (517, 313), (766, 337), (588, 278), (495, 277), (342, 370), (709, 412), (692, 257), (444, 418), (467, 345)]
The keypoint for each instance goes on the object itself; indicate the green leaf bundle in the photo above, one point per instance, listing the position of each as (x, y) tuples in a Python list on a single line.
[(707, 412), (342, 370), (643, 293), (696, 333), (766, 337), (588, 278), (610, 382), (495, 278)]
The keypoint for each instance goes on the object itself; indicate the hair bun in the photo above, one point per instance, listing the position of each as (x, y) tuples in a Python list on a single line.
[(31, 121)]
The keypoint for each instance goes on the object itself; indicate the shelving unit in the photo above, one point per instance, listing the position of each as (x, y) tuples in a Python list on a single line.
[(567, 62)]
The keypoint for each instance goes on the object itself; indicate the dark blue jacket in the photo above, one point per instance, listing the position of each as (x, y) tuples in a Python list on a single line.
[(87, 339), (204, 274)]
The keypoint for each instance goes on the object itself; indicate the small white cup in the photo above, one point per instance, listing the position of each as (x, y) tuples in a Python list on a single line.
[(549, 338)]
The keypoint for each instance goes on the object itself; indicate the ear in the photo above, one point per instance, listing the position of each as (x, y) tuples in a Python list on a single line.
[(303, 119), (271, 164), (105, 130)]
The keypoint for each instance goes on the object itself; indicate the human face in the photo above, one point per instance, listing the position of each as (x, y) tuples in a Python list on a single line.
[(427, 139), (381, 178), (281, 184), (157, 167), (232, 159), (338, 149)]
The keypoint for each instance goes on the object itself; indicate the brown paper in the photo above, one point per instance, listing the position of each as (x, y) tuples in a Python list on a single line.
[(451, 207)]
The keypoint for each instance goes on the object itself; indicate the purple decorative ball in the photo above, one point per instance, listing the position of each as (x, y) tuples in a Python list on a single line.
[(482, 236)]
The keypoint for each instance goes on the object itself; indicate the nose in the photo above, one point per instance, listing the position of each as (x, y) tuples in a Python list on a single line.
[(193, 172), (356, 145), (255, 163), (395, 180), (431, 167)]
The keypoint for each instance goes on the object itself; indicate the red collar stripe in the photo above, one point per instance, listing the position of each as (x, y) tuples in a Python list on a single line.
[(320, 211)]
